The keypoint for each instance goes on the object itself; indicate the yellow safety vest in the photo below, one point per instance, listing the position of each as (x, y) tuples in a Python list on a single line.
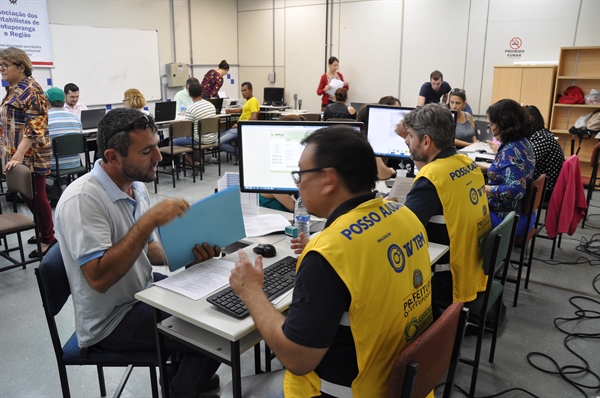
[(380, 251), (461, 188)]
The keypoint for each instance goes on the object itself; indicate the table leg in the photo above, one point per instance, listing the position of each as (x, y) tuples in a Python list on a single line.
[(236, 369), (267, 358), (161, 353), (257, 369)]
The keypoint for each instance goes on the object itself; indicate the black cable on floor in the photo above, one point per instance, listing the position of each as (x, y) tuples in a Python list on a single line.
[(567, 372), (581, 314)]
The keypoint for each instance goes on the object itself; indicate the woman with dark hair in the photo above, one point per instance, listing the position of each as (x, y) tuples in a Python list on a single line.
[(24, 136), (549, 155), (514, 164), (465, 127), (339, 109), (326, 78), (213, 80)]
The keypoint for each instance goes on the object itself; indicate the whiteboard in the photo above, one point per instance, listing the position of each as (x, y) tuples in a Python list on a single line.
[(105, 62)]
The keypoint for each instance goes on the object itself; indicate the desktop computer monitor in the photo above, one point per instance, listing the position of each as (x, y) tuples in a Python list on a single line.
[(269, 151), (383, 120), (273, 95)]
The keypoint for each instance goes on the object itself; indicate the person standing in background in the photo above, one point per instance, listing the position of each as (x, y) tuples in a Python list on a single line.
[(183, 98), (213, 80), (324, 83), (434, 89), (72, 103), (24, 137)]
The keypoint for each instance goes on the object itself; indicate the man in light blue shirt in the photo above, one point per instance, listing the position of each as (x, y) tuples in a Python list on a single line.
[(62, 122), (106, 233)]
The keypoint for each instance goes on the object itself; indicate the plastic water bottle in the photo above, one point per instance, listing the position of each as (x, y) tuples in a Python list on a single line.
[(182, 110), (302, 217)]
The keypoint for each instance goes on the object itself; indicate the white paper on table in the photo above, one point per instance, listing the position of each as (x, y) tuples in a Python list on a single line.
[(199, 280), (400, 189), (335, 84), (249, 200), (264, 224)]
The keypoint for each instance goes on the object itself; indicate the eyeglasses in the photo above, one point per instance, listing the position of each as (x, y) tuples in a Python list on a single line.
[(457, 90), (297, 175), (142, 123), (5, 66)]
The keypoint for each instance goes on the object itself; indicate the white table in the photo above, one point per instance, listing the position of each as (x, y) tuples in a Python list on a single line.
[(203, 327)]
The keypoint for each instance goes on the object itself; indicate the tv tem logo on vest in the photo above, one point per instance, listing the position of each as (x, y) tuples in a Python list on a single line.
[(396, 258)]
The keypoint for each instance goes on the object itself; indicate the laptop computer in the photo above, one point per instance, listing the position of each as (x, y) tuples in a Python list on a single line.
[(218, 103), (91, 117), (165, 111), (482, 132), (357, 105)]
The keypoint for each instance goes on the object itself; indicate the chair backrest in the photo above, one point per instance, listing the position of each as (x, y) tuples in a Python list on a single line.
[(340, 119), (209, 125), (312, 117), (594, 157), (181, 128), (492, 258), (534, 195), (19, 179), (433, 351), (53, 281), (69, 144)]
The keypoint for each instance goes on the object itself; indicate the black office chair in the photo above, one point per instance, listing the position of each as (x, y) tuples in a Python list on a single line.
[(496, 258), (67, 145), (54, 289)]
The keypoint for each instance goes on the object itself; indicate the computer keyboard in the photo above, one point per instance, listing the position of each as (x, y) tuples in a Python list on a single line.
[(278, 279)]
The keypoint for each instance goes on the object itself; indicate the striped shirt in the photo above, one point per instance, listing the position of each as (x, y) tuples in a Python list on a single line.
[(62, 122), (202, 110)]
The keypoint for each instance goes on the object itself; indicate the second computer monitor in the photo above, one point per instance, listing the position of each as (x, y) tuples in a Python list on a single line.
[(381, 132), (269, 151), (273, 95)]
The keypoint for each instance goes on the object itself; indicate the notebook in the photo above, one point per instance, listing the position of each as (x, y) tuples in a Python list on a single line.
[(165, 111), (91, 117)]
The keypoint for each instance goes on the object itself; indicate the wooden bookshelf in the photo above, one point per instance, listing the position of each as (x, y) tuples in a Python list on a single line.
[(578, 66)]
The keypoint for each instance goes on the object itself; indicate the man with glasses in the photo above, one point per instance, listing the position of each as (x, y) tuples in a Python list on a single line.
[(72, 103), (433, 90), (362, 290), (106, 233), (448, 196)]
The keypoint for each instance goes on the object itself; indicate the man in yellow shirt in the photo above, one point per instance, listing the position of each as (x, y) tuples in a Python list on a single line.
[(249, 111)]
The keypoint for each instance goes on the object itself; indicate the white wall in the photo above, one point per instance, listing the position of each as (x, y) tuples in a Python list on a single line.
[(391, 47), (385, 47)]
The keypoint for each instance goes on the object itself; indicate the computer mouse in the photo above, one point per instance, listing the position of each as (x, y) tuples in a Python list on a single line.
[(265, 250), (481, 151)]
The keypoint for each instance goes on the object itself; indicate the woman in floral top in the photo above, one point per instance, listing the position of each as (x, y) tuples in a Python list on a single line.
[(213, 80), (24, 135), (514, 164)]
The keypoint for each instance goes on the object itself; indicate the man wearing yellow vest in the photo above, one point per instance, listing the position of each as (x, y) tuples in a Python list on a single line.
[(363, 285), (448, 196)]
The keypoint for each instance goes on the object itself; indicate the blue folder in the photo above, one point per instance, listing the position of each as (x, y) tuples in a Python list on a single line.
[(216, 220)]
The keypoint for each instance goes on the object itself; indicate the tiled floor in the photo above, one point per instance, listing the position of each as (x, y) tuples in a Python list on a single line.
[(28, 367)]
